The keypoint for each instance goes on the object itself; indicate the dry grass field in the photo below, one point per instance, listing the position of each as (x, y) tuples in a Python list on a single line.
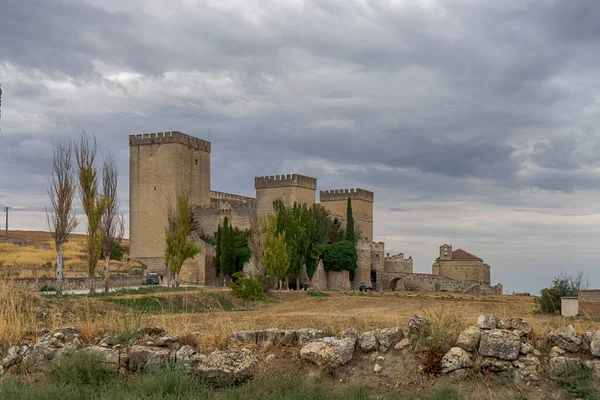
[(22, 314), (32, 261), (205, 317)]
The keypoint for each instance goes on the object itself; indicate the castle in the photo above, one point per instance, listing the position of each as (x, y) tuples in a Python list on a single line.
[(163, 165)]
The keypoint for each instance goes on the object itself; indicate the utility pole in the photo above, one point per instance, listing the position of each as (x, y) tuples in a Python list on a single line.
[(6, 211)]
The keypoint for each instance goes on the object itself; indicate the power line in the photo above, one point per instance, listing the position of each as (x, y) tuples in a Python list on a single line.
[(6, 237)]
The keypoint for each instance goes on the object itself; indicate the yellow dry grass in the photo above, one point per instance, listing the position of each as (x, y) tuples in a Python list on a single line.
[(12, 254), (341, 311), (30, 261), (21, 313)]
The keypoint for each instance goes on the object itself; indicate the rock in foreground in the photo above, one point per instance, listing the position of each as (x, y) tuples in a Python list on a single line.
[(228, 367), (329, 353)]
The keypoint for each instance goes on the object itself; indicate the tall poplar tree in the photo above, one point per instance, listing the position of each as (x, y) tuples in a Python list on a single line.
[(350, 234), (61, 215), (179, 247), (275, 255), (218, 250)]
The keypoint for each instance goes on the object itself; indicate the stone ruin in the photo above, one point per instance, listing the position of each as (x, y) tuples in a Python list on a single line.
[(492, 346)]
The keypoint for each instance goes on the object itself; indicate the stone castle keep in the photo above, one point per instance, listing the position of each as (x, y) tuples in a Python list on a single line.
[(163, 165)]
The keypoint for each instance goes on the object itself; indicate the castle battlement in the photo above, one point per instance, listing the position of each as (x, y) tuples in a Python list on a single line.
[(293, 180), (344, 194), (228, 196), (396, 257), (215, 208), (169, 137)]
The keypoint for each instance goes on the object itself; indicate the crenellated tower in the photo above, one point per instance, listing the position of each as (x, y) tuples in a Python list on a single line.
[(162, 166), (336, 201), (290, 188)]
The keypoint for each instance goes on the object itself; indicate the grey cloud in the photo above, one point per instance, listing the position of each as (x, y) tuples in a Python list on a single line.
[(427, 107), (558, 153)]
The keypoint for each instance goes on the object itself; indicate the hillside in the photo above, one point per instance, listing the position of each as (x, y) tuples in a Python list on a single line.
[(37, 256)]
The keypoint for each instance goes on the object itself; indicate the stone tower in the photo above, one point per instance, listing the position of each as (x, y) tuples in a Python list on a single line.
[(446, 252), (336, 202), (161, 167), (289, 188)]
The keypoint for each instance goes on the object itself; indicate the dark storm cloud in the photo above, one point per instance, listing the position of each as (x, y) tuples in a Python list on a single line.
[(479, 104), (57, 36)]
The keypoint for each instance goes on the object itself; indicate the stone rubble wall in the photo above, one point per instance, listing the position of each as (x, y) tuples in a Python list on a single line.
[(37, 284), (491, 346)]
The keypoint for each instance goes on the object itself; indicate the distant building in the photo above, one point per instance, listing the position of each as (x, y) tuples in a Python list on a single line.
[(460, 265)]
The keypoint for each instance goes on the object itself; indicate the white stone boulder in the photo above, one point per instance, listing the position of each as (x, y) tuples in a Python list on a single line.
[(469, 339), (108, 358), (456, 358), (388, 337), (566, 339), (143, 358), (307, 335), (243, 337), (488, 321), (595, 344), (516, 325), (367, 342), (500, 344), (528, 368), (329, 353), (228, 367)]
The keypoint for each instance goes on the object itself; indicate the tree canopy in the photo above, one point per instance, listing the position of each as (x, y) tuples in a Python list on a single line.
[(180, 226), (275, 255), (306, 230), (340, 256)]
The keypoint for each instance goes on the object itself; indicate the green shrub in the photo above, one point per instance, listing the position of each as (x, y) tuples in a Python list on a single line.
[(562, 286), (117, 253), (173, 384), (437, 339), (340, 256), (576, 382), (268, 282), (224, 303), (247, 287), (79, 369)]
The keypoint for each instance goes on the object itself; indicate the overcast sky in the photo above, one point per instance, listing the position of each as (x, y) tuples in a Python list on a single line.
[(474, 122)]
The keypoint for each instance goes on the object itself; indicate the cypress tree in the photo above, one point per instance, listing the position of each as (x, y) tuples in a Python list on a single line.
[(218, 251), (350, 223), (225, 262), (231, 250)]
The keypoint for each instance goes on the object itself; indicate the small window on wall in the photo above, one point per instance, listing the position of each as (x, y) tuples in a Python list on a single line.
[(196, 161)]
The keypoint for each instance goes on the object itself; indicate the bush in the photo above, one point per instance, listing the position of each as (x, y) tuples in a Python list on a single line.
[(576, 382), (247, 287), (562, 286), (79, 369), (340, 256), (268, 282), (117, 253), (436, 340), (173, 384)]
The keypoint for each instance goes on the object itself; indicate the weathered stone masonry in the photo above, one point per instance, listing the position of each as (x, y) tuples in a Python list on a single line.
[(165, 165)]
